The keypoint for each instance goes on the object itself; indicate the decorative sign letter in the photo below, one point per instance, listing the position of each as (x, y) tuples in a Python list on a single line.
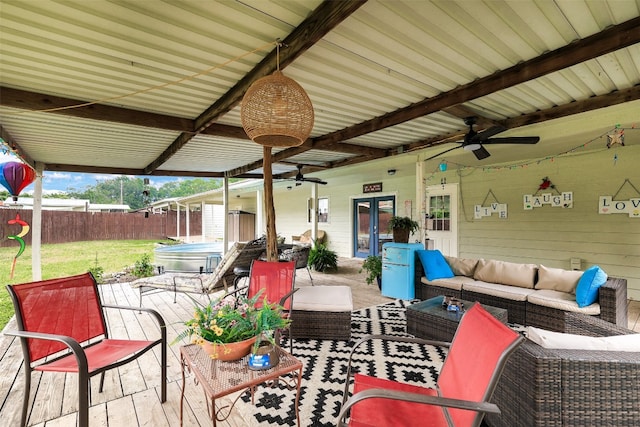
[(482, 211), (607, 205), (372, 188), (562, 200)]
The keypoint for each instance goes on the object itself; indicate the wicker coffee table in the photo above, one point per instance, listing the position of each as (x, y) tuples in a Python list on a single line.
[(222, 378), (430, 320)]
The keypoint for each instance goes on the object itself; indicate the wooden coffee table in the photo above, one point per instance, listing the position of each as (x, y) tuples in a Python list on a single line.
[(220, 378), (430, 320)]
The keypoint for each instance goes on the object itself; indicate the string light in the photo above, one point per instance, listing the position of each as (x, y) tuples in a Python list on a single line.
[(513, 166), (149, 89)]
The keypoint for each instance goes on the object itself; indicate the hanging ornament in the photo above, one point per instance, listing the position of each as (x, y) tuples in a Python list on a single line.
[(15, 176), (617, 137), (546, 183), (18, 238), (615, 159), (443, 166)]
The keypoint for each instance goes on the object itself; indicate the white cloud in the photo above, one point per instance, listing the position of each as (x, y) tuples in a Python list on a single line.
[(52, 176), (4, 158)]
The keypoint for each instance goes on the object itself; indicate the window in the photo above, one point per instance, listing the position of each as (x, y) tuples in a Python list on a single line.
[(439, 213), (323, 209)]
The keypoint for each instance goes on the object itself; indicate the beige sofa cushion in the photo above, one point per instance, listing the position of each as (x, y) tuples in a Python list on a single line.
[(513, 293), (558, 279), (561, 301), (323, 298), (506, 273), (462, 266), (454, 283), (559, 340)]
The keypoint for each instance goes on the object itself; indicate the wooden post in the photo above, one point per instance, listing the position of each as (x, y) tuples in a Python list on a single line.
[(272, 236)]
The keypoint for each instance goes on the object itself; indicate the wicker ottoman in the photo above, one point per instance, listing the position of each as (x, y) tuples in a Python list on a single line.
[(322, 312), (429, 320)]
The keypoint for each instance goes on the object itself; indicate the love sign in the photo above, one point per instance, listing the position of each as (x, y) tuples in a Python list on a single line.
[(606, 205)]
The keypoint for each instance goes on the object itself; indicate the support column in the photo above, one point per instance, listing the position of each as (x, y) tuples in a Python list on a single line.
[(36, 226), (225, 204)]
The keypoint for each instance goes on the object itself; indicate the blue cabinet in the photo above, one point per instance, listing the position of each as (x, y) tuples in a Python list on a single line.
[(398, 269)]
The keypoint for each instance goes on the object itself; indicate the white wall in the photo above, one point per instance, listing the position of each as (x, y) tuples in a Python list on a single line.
[(547, 235), (344, 185), (552, 235)]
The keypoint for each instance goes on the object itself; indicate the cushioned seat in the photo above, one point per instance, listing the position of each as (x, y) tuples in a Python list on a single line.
[(513, 293), (455, 283), (322, 312), (561, 301)]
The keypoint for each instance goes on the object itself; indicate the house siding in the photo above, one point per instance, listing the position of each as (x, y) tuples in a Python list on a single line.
[(552, 235)]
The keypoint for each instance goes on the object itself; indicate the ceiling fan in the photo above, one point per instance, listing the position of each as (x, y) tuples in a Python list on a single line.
[(473, 141), (300, 178)]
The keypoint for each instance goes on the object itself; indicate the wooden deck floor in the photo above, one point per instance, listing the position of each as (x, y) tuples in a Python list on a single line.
[(131, 393)]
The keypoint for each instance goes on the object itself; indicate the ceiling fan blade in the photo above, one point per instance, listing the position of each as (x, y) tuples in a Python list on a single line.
[(513, 140), (488, 133), (481, 153), (443, 152), (316, 180)]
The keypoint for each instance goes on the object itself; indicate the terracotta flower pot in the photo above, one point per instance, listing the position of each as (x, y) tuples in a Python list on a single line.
[(229, 351)]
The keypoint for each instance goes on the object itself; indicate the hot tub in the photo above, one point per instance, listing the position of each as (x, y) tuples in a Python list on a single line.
[(189, 257)]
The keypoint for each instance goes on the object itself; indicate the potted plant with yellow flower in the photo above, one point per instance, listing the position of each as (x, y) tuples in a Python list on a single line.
[(229, 326)]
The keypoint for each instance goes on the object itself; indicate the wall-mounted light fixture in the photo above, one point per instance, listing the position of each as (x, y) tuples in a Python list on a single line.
[(391, 171)]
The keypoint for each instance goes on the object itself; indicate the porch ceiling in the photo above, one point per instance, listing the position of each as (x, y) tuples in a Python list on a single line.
[(164, 79)]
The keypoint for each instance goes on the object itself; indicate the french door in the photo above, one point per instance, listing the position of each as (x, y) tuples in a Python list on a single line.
[(370, 224), (442, 218)]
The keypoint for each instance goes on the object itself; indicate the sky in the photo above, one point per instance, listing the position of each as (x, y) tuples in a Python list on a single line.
[(54, 182)]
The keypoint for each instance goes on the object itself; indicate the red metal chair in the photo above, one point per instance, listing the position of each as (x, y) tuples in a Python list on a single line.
[(278, 281), (466, 382), (62, 328)]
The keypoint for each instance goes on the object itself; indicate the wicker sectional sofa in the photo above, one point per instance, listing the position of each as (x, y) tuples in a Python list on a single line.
[(527, 303), (553, 387)]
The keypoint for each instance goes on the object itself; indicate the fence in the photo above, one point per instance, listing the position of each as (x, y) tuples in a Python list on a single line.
[(66, 226)]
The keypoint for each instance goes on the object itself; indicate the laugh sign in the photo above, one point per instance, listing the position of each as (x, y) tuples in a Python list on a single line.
[(561, 200)]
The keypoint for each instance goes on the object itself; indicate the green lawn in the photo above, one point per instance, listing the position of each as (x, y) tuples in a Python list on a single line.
[(67, 259)]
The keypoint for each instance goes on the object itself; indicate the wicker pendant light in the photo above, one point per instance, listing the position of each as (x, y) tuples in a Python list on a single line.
[(276, 111)]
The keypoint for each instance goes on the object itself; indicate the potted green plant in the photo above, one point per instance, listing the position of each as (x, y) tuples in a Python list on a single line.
[(402, 227), (322, 258), (373, 266), (229, 326)]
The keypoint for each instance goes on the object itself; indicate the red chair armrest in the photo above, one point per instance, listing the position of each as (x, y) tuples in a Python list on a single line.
[(485, 407)]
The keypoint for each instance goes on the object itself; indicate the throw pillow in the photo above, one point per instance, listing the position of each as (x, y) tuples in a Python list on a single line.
[(462, 266), (558, 279), (434, 264), (506, 273), (588, 285)]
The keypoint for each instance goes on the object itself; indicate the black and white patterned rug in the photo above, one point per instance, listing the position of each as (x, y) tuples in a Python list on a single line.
[(325, 364)]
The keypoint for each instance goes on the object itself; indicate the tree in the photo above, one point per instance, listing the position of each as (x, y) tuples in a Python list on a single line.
[(129, 191)]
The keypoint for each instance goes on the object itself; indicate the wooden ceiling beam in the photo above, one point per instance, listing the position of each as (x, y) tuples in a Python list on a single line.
[(15, 148), (607, 41), (593, 103), (133, 171), (560, 111), (321, 21), (34, 101)]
